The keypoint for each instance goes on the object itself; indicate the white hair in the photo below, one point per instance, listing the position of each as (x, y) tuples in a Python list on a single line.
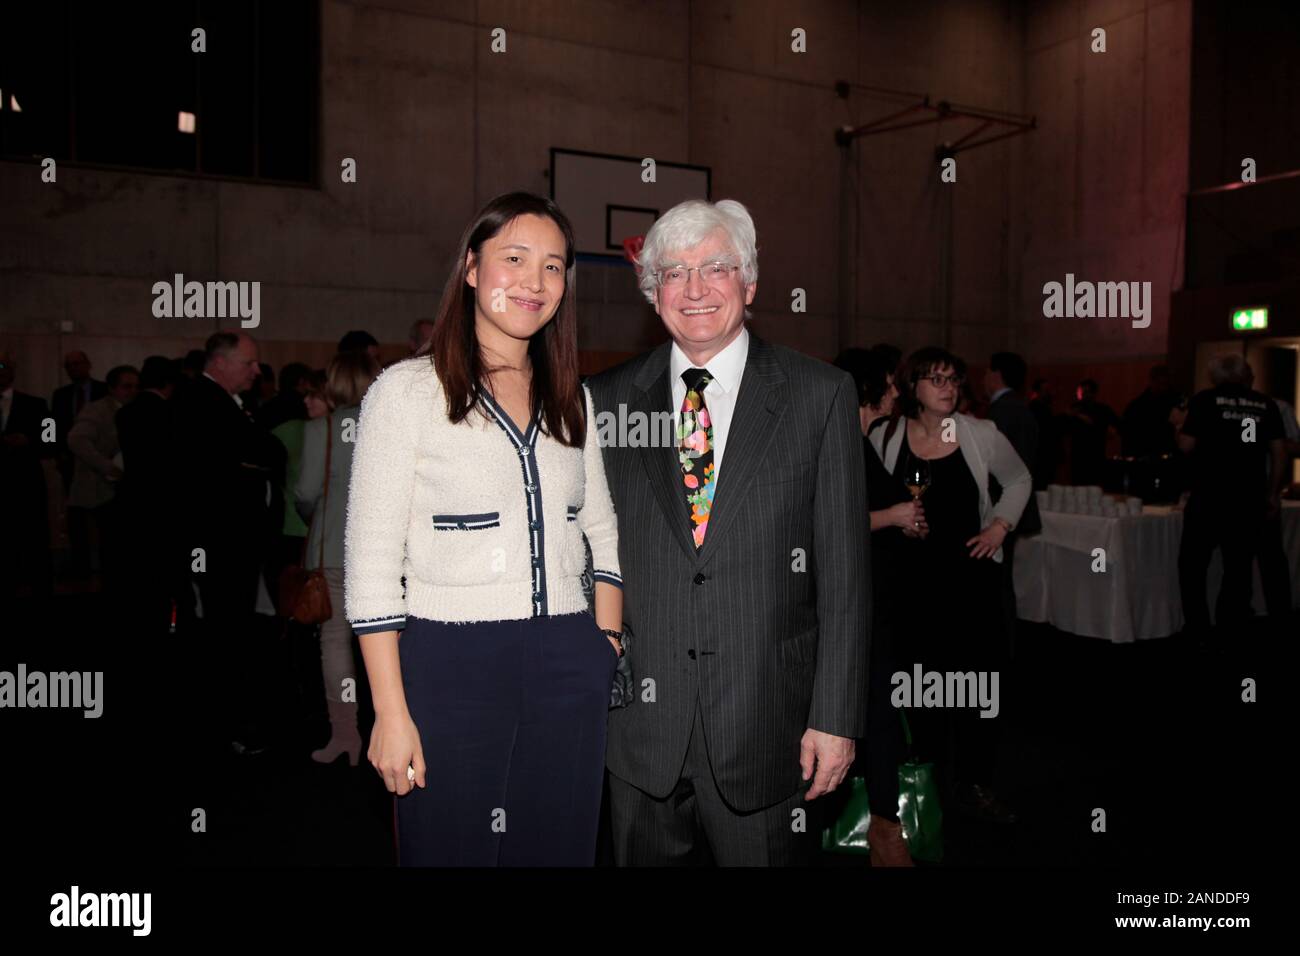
[(687, 225)]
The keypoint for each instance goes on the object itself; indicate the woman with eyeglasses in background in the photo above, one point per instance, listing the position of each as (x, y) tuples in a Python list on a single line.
[(894, 514), (948, 458)]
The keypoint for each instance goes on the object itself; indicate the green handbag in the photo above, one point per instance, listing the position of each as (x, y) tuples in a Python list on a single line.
[(918, 811)]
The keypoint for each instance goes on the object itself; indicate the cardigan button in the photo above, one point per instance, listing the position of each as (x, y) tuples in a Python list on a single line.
[(531, 489), (533, 524), (523, 451)]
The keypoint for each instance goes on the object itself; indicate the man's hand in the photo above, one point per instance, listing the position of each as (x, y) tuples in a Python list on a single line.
[(829, 755)]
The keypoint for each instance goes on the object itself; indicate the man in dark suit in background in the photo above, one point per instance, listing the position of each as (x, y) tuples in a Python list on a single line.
[(231, 470), (67, 403), (1090, 424), (24, 511), (147, 497), (70, 399), (746, 612), (1003, 381), (288, 403), (1145, 428)]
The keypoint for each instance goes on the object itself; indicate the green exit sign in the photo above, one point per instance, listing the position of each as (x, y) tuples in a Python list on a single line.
[(1255, 317)]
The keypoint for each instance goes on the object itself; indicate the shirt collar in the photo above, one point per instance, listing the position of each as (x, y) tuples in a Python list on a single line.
[(999, 393), (725, 368), (238, 401)]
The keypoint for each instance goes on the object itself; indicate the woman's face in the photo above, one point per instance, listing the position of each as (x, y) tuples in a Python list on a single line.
[(890, 396), (939, 399), (316, 405), (518, 279)]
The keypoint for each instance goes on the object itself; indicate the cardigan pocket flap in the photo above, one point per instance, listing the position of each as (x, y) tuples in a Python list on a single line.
[(477, 522)]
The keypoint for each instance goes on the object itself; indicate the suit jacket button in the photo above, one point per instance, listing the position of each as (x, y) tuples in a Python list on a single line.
[(691, 653), (699, 579)]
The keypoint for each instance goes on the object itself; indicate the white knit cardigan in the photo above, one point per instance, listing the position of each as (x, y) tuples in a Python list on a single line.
[(483, 521), (987, 452)]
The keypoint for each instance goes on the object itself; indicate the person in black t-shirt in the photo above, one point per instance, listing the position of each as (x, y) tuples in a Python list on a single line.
[(1229, 433)]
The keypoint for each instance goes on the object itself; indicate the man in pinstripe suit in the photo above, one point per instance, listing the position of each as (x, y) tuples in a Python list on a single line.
[(746, 586)]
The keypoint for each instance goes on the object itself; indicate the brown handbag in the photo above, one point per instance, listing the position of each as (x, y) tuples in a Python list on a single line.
[(305, 595)]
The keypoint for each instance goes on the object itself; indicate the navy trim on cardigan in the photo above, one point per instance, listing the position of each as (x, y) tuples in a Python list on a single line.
[(378, 624), (489, 519), (525, 445)]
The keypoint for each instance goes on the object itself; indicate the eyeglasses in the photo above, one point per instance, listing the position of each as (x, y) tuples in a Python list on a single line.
[(939, 381), (712, 273)]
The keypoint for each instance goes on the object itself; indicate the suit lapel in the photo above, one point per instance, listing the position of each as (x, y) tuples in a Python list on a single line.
[(759, 407), (661, 463)]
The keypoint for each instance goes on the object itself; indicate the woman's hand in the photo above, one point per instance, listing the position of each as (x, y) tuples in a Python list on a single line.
[(987, 542), (394, 746), (910, 516)]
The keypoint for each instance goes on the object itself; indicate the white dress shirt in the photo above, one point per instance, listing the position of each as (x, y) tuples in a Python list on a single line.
[(725, 370)]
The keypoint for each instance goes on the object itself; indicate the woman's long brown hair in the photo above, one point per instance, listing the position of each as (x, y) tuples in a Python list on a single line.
[(454, 347)]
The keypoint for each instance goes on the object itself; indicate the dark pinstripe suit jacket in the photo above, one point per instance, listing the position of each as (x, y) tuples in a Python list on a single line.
[(769, 649)]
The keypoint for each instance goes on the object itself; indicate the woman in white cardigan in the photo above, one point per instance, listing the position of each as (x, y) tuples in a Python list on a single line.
[(474, 481), (952, 568)]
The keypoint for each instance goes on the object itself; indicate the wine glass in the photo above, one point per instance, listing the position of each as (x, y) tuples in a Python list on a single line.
[(917, 476)]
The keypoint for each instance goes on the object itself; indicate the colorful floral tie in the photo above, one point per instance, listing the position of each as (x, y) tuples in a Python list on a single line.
[(695, 451)]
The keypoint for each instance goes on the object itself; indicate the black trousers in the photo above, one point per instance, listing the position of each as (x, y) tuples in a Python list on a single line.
[(882, 750), (25, 559), (1236, 529), (511, 716), (694, 824), (230, 639), (1274, 570), (152, 573)]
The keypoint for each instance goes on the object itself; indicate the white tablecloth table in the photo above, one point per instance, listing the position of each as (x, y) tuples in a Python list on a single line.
[(1137, 596)]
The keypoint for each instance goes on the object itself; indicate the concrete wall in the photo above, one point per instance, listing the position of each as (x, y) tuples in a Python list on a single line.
[(438, 125), (1107, 170)]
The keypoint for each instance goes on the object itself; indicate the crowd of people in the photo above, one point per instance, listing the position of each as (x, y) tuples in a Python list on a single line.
[(189, 486), (459, 499)]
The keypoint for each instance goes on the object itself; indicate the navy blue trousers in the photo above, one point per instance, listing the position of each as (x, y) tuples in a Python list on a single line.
[(512, 718)]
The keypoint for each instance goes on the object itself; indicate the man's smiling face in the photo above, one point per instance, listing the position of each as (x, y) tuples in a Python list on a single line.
[(704, 317)]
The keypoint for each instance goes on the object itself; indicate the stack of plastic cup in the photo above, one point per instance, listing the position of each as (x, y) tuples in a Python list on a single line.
[(1055, 498)]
